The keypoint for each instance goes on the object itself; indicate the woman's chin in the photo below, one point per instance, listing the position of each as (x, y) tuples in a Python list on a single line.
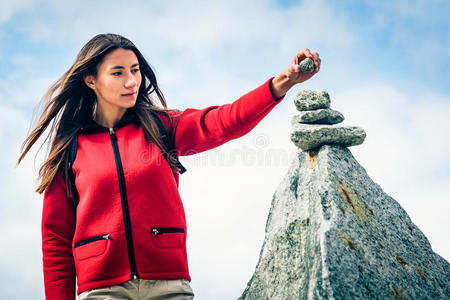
[(127, 103)]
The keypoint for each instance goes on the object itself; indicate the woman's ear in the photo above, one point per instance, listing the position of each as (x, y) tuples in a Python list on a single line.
[(89, 81)]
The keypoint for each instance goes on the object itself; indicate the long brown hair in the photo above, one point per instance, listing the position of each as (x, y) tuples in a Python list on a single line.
[(69, 102)]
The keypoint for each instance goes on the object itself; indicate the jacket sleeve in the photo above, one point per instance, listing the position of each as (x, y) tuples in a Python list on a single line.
[(58, 226), (198, 130)]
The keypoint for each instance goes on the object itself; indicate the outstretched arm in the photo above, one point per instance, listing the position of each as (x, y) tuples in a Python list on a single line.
[(198, 130)]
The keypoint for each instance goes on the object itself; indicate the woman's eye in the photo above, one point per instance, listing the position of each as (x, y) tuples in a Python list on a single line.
[(117, 73), (135, 70)]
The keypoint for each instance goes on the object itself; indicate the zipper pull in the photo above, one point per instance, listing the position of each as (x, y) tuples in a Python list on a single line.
[(155, 231), (107, 237), (112, 133)]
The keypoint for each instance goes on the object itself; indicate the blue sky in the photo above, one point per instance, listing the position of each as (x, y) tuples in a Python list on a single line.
[(385, 64)]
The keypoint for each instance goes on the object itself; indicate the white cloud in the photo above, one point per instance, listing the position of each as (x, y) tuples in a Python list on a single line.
[(9, 7), (196, 25), (416, 30), (13, 93), (416, 9), (20, 211)]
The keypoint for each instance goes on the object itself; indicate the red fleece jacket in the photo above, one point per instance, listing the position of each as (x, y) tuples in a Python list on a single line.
[(130, 220)]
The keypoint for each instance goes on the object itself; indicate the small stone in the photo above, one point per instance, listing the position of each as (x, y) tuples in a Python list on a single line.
[(307, 65), (311, 100), (319, 116), (307, 136)]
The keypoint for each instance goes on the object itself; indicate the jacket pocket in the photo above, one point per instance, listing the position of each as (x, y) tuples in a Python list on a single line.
[(168, 237), (92, 247)]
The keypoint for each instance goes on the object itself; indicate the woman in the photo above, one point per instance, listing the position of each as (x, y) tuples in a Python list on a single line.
[(113, 220)]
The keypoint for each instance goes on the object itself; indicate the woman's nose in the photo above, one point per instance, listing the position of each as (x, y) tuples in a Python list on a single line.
[(130, 81)]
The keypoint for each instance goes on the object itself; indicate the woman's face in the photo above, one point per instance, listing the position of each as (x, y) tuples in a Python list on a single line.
[(118, 80)]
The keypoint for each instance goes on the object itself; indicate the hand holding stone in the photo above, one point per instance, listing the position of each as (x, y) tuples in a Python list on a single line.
[(292, 75), (303, 66)]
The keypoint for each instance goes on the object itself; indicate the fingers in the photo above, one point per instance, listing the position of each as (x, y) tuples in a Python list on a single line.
[(301, 55), (317, 62), (307, 53), (317, 66), (315, 57), (294, 68)]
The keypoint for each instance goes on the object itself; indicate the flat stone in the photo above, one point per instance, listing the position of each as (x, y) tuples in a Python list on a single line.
[(307, 65), (308, 136), (310, 100), (333, 233), (319, 116)]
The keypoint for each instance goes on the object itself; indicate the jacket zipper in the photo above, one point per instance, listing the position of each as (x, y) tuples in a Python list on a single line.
[(93, 239), (125, 209), (161, 230)]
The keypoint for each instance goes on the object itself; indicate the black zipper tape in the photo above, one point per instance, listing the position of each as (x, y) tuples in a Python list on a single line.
[(161, 230), (125, 209), (93, 239)]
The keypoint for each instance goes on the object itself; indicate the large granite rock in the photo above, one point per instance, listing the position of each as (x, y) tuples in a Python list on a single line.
[(318, 116), (309, 136), (310, 100), (332, 233)]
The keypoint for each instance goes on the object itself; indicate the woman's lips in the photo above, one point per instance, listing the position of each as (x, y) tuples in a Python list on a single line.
[(129, 95)]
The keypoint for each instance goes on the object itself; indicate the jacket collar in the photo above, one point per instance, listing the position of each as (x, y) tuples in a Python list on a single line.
[(92, 126)]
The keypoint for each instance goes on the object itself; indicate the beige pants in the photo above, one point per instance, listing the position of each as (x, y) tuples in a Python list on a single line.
[(142, 289)]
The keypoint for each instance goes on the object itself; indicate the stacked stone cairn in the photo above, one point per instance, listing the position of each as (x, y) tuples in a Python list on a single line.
[(316, 124)]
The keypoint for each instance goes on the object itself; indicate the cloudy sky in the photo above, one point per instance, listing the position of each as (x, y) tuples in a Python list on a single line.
[(386, 67)]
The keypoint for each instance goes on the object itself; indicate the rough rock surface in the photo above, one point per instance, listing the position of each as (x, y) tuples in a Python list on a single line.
[(308, 136), (310, 100), (307, 65), (332, 233), (319, 116)]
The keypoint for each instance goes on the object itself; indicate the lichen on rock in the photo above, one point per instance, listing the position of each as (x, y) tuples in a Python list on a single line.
[(318, 116), (311, 100), (306, 65)]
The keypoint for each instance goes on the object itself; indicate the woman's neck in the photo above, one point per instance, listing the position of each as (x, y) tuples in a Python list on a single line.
[(109, 117)]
